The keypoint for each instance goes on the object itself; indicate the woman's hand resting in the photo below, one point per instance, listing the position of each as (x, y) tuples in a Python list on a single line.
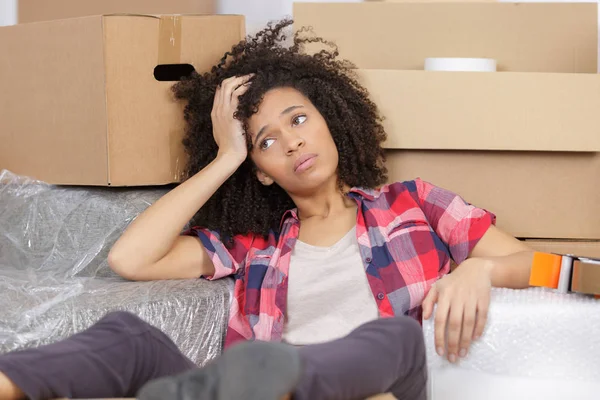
[(462, 298)]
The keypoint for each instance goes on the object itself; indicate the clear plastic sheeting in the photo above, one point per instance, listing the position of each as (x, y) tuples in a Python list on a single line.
[(533, 333), (55, 280)]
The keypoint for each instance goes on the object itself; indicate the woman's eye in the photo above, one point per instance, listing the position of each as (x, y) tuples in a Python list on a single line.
[(265, 144), (299, 119)]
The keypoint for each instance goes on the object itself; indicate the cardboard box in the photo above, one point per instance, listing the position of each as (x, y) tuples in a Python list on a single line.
[(80, 104), (529, 143), (487, 111), (536, 37), (534, 194), (578, 248), (44, 10)]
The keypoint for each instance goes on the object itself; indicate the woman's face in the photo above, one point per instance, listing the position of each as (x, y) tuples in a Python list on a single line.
[(291, 143)]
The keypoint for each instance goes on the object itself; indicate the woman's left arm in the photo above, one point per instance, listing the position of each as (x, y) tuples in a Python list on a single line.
[(463, 296), (508, 259)]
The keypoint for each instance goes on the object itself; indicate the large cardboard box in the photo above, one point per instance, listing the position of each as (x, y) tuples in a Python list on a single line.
[(536, 37), (522, 145), (487, 111), (575, 247), (534, 194), (80, 103), (43, 10)]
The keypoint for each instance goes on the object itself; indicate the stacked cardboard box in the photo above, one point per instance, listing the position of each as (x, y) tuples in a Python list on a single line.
[(522, 142), (45, 10), (85, 100)]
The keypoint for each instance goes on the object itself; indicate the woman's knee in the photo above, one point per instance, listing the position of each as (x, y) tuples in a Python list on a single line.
[(406, 328), (411, 328)]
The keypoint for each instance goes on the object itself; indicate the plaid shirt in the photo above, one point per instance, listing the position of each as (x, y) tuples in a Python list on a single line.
[(407, 234)]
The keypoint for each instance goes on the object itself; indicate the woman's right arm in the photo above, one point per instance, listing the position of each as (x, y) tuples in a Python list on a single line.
[(152, 246)]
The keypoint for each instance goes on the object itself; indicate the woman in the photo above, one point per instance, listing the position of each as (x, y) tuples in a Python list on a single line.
[(286, 179)]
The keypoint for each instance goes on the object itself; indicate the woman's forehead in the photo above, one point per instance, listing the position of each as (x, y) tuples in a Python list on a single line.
[(276, 101)]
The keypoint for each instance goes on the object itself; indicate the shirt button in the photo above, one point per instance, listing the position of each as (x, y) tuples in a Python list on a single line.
[(368, 259), (380, 296)]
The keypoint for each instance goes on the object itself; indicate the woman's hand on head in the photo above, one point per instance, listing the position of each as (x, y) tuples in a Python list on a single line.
[(228, 132), (462, 298)]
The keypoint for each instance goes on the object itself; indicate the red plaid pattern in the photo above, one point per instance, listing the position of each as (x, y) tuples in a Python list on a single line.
[(408, 232)]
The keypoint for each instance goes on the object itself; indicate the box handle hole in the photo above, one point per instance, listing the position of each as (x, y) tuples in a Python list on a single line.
[(172, 72)]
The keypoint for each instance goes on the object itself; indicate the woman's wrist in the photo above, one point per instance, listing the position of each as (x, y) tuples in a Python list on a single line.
[(231, 159)]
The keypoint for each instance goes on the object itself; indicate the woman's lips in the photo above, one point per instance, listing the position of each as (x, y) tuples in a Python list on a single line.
[(304, 162)]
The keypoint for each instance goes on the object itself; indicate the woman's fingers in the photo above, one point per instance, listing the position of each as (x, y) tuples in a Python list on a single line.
[(455, 323), (224, 93), (240, 90), (230, 85), (429, 302), (440, 320), (468, 326)]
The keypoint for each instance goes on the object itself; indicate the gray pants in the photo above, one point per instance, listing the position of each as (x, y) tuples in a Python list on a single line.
[(120, 353)]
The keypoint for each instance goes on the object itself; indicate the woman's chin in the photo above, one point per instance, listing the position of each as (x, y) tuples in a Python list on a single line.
[(310, 183)]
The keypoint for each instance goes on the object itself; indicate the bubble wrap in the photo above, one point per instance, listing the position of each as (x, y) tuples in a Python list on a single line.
[(533, 333), (55, 280)]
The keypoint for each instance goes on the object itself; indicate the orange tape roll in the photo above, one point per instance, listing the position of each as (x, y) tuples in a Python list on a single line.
[(545, 270)]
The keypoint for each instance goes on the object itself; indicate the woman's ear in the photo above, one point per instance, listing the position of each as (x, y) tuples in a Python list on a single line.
[(264, 178)]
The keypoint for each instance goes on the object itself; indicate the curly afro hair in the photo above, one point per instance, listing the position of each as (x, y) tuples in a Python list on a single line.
[(242, 205)]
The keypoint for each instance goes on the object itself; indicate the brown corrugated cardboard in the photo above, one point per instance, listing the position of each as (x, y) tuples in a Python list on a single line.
[(43, 10), (533, 194), (534, 37), (80, 104), (542, 183), (575, 247), (487, 111)]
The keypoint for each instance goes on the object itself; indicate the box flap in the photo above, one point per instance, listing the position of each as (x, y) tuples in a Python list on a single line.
[(487, 110)]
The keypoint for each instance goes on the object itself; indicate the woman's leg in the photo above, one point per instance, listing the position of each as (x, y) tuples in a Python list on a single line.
[(386, 355), (112, 358)]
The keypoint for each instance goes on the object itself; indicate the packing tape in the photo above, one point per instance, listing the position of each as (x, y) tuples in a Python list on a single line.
[(566, 273), (169, 40), (545, 270), (460, 64), (177, 153), (586, 276)]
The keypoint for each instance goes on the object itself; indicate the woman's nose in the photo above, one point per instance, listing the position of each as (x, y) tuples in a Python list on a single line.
[(293, 141)]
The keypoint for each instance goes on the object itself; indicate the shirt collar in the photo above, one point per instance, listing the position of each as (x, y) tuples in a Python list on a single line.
[(359, 194)]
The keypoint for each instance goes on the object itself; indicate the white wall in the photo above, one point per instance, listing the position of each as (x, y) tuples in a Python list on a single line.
[(8, 12)]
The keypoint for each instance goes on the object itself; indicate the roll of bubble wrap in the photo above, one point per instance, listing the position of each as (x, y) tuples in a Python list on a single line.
[(533, 333)]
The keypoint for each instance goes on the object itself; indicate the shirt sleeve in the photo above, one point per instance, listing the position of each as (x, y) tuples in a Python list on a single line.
[(227, 260), (458, 224)]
